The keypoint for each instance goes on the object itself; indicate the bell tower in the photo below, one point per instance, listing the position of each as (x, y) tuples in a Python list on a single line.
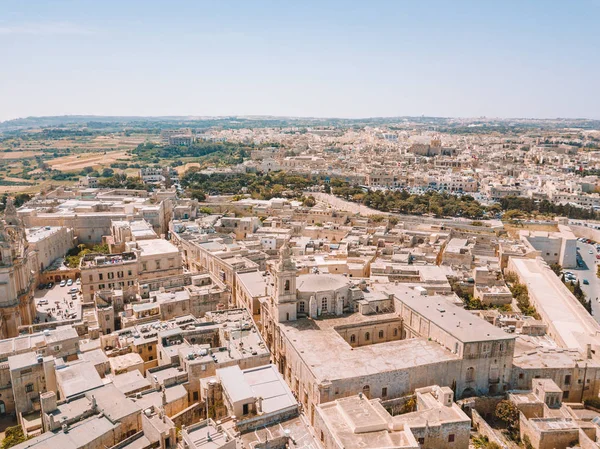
[(285, 286)]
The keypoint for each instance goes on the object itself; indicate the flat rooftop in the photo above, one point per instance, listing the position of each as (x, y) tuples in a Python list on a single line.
[(314, 338), (77, 377), (254, 282), (153, 247), (34, 235), (360, 423), (81, 434), (462, 324)]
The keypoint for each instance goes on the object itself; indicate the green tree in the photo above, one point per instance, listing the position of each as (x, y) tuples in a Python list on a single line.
[(197, 194), (508, 413), (309, 201), (13, 436), (556, 268)]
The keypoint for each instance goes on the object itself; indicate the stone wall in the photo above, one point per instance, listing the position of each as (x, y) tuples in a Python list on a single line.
[(484, 429), (188, 416)]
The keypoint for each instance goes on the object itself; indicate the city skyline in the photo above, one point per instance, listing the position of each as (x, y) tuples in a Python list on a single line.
[(334, 60)]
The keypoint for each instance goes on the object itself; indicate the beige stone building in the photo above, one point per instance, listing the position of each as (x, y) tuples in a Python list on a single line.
[(357, 422), (447, 345), (17, 280)]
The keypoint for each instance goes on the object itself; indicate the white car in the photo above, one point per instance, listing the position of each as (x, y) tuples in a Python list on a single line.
[(70, 282), (63, 283), (78, 281)]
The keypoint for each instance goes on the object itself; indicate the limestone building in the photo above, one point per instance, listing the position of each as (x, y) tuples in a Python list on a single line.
[(17, 306)]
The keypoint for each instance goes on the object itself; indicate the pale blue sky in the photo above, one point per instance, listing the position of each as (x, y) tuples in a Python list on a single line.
[(302, 58)]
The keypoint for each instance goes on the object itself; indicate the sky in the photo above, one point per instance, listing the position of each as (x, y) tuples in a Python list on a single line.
[(534, 59)]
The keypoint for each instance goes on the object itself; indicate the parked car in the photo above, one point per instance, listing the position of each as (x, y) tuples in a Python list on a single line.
[(78, 281), (73, 290), (586, 282), (50, 285), (63, 283), (43, 302), (41, 286), (70, 282)]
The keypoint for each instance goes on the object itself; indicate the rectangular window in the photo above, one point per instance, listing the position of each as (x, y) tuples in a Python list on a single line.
[(91, 278), (128, 272), (111, 275), (100, 276), (384, 392), (158, 264), (451, 438), (568, 379), (28, 388), (566, 394)]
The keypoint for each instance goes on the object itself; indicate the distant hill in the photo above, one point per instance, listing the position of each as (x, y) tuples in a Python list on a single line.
[(201, 122)]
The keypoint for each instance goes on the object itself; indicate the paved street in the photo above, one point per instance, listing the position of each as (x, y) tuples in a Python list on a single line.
[(588, 271)]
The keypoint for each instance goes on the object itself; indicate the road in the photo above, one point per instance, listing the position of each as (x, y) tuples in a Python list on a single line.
[(588, 271)]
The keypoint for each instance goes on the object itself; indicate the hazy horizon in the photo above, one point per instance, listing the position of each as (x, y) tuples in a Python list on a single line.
[(356, 60)]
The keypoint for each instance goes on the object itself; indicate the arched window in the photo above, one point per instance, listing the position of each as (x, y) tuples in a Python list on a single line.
[(352, 338), (287, 286), (470, 374), (367, 391), (367, 336)]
